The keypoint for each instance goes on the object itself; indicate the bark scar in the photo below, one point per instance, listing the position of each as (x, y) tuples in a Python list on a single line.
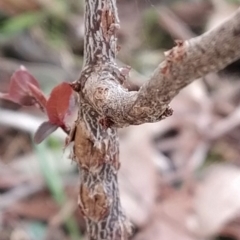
[(176, 54), (106, 123), (109, 25)]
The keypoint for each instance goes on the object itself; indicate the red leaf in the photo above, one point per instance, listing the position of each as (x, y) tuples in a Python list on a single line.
[(39, 96), (24, 89), (61, 105), (44, 130), (60, 108)]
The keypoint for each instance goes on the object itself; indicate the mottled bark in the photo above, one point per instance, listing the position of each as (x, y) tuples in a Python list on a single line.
[(96, 147), (104, 105)]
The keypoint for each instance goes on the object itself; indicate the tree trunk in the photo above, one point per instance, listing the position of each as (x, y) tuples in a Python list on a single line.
[(96, 147)]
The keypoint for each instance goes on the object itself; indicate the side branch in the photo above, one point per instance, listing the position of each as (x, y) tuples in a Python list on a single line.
[(187, 61)]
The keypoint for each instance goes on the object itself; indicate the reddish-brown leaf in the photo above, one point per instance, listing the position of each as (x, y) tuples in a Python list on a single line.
[(44, 130), (39, 96), (60, 105), (24, 89)]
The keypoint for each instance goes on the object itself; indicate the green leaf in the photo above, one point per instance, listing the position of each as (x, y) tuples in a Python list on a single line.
[(55, 185), (21, 22)]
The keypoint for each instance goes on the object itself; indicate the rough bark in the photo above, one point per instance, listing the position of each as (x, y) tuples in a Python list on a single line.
[(104, 105), (96, 147)]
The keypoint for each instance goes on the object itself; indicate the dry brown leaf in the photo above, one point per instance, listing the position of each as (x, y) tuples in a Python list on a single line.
[(40, 207), (170, 219), (138, 173), (14, 7), (217, 200), (232, 229)]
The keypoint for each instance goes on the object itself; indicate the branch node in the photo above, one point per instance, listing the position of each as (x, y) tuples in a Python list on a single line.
[(76, 86)]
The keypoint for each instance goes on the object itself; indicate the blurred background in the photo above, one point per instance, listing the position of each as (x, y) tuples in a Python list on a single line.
[(179, 179)]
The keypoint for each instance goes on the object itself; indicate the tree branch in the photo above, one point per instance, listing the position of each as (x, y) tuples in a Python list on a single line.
[(187, 61)]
